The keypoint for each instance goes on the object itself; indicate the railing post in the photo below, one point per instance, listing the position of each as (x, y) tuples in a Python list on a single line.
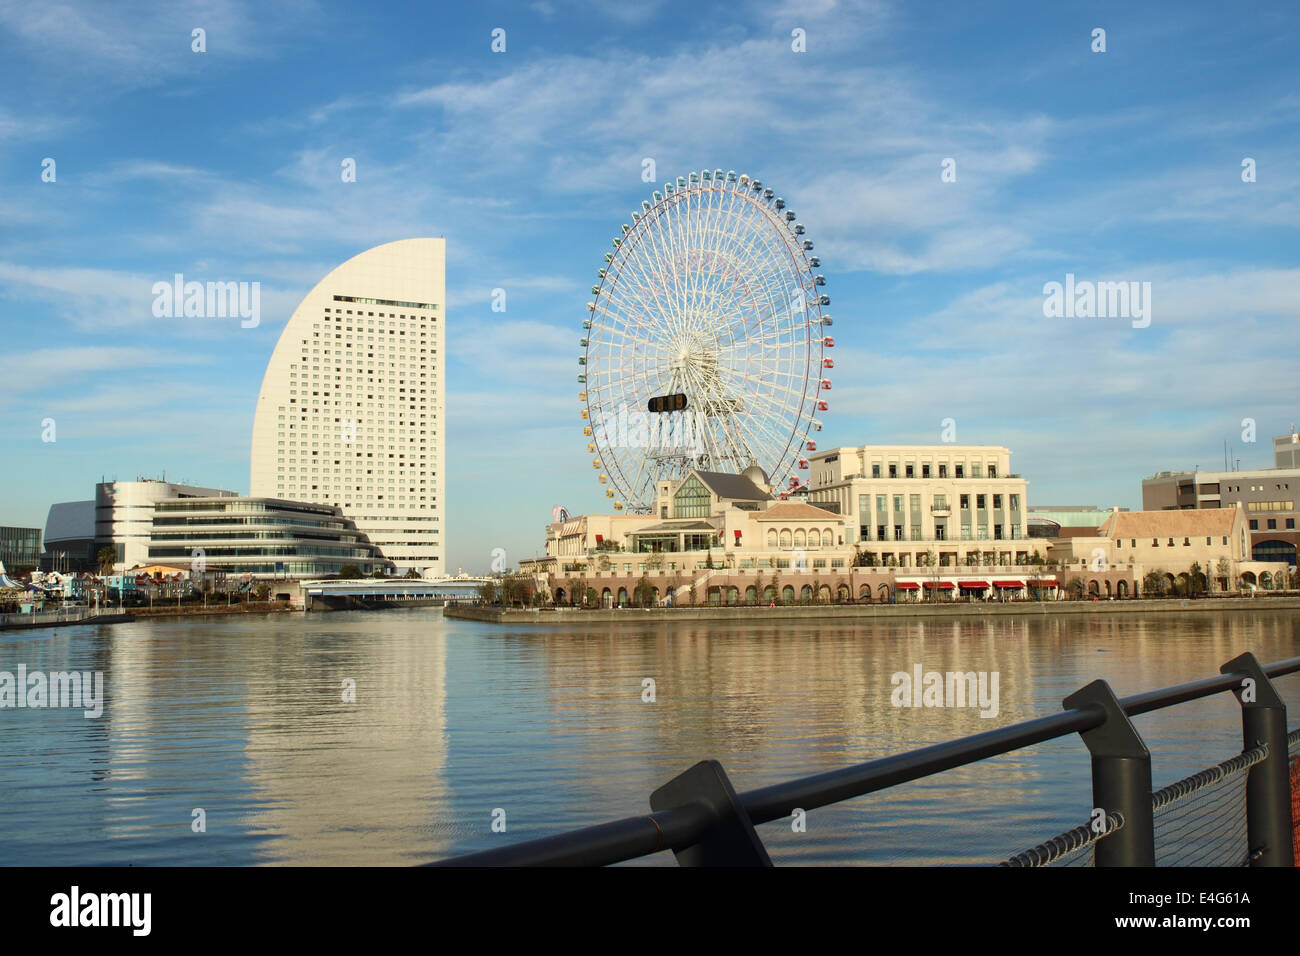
[(1121, 778), (1268, 784), (730, 839)]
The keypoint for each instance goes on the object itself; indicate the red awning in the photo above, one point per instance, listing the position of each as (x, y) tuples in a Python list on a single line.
[(907, 586), (941, 585), (1045, 582), (1008, 584), (974, 585)]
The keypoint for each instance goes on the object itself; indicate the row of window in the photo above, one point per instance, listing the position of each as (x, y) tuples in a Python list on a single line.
[(1272, 524), (938, 503), (1155, 542), (977, 470), (914, 533)]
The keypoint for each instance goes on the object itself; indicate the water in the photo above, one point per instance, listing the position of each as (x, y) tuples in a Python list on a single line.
[(244, 718)]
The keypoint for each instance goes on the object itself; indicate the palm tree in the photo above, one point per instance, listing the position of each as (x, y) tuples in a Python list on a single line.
[(107, 558)]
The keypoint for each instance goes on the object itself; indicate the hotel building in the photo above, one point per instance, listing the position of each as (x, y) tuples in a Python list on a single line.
[(351, 412), (916, 504)]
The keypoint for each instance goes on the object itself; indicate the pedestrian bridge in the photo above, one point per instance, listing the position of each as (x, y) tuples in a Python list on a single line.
[(339, 594)]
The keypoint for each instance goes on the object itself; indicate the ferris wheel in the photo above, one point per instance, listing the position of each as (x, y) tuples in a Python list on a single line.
[(705, 347)]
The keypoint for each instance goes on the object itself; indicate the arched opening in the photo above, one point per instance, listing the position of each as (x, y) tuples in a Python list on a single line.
[(751, 595), (1266, 580), (805, 594), (814, 538), (733, 595), (785, 537), (769, 595), (800, 539), (1093, 588), (1109, 591), (882, 593), (842, 594), (864, 593), (622, 597), (824, 594), (787, 595), (1121, 589), (561, 595), (771, 537), (606, 598), (1248, 577)]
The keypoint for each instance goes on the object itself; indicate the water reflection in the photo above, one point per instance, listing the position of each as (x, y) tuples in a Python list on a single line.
[(246, 719)]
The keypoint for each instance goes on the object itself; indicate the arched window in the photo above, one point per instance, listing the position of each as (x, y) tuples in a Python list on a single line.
[(799, 538), (785, 537), (771, 537), (814, 538)]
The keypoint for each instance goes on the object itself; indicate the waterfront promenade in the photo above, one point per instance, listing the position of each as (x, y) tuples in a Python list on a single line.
[(854, 612)]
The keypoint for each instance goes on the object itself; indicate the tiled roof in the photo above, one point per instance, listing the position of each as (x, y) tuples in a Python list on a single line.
[(1169, 524), (732, 486)]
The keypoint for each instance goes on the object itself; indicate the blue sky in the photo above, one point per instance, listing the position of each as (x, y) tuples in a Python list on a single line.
[(1122, 165)]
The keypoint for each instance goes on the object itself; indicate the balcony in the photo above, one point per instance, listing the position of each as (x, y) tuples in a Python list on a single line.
[(941, 510)]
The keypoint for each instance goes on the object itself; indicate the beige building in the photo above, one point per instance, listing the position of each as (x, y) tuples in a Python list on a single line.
[(723, 538), (1175, 545), (909, 505), (352, 407)]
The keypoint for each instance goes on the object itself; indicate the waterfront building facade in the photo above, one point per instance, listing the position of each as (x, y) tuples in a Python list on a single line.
[(351, 412), (916, 505), (262, 537), (1212, 544), (726, 539), (124, 513)]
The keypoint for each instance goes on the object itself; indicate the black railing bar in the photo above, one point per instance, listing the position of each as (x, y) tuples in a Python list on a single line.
[(1206, 687), (819, 790), (1290, 665), (599, 845), (1169, 696)]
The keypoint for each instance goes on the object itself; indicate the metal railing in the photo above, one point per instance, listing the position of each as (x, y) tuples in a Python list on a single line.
[(701, 818), (63, 615)]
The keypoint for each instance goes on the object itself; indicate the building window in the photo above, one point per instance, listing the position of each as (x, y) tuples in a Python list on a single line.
[(1290, 523), (691, 500), (1187, 542), (898, 532), (979, 502), (1155, 542), (1272, 524), (1254, 524), (997, 532), (1015, 502), (875, 471), (925, 471), (943, 471), (893, 471), (965, 502), (898, 504), (997, 502), (975, 470), (959, 471), (911, 471), (880, 532)]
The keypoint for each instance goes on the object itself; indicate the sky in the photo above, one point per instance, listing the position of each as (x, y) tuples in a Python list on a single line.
[(1117, 165)]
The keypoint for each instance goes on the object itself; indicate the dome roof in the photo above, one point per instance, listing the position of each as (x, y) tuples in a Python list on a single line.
[(755, 474)]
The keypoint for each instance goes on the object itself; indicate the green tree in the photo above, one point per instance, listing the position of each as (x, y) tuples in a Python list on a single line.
[(107, 558), (349, 572)]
